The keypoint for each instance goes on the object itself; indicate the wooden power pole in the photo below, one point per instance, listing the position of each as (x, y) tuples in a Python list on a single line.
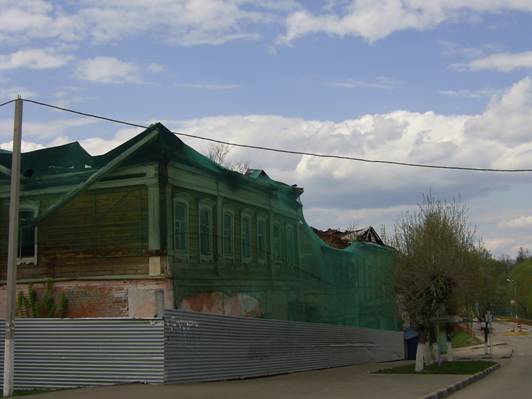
[(11, 285)]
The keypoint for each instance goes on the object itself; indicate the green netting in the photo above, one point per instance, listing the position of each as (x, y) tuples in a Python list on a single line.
[(279, 269)]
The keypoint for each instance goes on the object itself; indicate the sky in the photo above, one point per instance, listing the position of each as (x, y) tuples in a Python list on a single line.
[(441, 82)]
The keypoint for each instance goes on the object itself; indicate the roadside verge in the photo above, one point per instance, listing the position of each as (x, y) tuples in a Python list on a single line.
[(444, 392)]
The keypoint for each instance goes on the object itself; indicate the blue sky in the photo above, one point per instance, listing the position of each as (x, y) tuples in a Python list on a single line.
[(442, 81)]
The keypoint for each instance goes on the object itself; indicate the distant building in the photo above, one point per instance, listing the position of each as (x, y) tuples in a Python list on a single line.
[(154, 222)]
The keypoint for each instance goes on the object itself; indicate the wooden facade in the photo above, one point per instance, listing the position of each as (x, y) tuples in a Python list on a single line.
[(166, 225)]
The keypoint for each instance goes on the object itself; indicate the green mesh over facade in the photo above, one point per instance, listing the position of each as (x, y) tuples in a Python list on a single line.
[(230, 243)]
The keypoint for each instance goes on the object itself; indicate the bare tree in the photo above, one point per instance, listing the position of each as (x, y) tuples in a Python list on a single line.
[(240, 167), (218, 153)]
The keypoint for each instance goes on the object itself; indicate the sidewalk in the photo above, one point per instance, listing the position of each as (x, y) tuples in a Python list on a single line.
[(338, 383), (499, 350)]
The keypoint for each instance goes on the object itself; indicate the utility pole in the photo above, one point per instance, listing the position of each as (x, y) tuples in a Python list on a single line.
[(11, 285)]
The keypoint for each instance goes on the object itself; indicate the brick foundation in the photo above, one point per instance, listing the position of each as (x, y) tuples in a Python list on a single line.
[(120, 298)]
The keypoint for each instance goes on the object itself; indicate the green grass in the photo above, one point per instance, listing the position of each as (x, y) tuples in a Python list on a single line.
[(456, 367), (462, 339)]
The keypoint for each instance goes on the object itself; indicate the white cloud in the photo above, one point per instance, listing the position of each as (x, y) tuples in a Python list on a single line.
[(504, 62), (9, 93), (522, 221), (340, 192), (26, 146), (376, 19), (495, 244), (155, 68), (107, 70), (507, 120), (22, 21), (186, 22), (207, 86), (471, 94), (34, 58), (381, 82), (98, 145), (45, 131)]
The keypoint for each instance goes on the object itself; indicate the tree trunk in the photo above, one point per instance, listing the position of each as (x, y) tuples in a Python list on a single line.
[(428, 354), (420, 353), (420, 357), (436, 353), (450, 354)]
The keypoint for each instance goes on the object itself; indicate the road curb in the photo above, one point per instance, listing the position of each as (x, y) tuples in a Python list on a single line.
[(444, 392)]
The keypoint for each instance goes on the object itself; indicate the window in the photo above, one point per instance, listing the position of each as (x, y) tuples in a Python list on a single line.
[(228, 225), (27, 235), (291, 245), (246, 238), (276, 242), (261, 239), (181, 226), (205, 232)]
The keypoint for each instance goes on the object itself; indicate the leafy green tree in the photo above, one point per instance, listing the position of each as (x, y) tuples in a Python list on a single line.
[(433, 273), (521, 276)]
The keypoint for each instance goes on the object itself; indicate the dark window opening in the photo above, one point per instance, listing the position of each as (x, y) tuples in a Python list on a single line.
[(27, 234)]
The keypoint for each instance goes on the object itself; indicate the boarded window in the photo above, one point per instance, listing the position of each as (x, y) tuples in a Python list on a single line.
[(246, 237), (228, 234)]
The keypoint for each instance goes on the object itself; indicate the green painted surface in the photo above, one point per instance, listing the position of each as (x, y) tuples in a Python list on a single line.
[(279, 270)]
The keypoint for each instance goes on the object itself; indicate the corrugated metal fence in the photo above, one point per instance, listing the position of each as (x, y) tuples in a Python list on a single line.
[(185, 346), (202, 347), (57, 353)]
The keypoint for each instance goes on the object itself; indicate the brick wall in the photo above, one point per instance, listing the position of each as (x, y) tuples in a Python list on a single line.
[(120, 298)]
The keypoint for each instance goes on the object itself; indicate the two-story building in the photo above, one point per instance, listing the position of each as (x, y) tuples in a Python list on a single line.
[(154, 223)]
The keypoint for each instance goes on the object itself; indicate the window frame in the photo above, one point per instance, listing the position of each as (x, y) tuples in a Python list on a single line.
[(28, 260), (232, 237), (277, 257), (208, 205), (181, 252), (249, 258), (291, 261), (262, 257)]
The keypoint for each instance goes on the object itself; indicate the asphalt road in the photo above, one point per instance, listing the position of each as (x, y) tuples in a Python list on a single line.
[(514, 379)]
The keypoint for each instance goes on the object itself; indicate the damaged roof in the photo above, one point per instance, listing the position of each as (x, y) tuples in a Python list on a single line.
[(342, 239), (73, 159)]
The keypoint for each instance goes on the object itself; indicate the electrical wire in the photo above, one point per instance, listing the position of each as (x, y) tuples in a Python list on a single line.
[(7, 102), (284, 151)]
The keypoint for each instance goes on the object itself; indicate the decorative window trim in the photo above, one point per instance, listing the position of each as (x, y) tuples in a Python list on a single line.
[(181, 199), (232, 213), (246, 215), (208, 205), (29, 260)]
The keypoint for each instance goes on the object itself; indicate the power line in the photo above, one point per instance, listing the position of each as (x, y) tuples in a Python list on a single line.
[(284, 151), (7, 102)]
